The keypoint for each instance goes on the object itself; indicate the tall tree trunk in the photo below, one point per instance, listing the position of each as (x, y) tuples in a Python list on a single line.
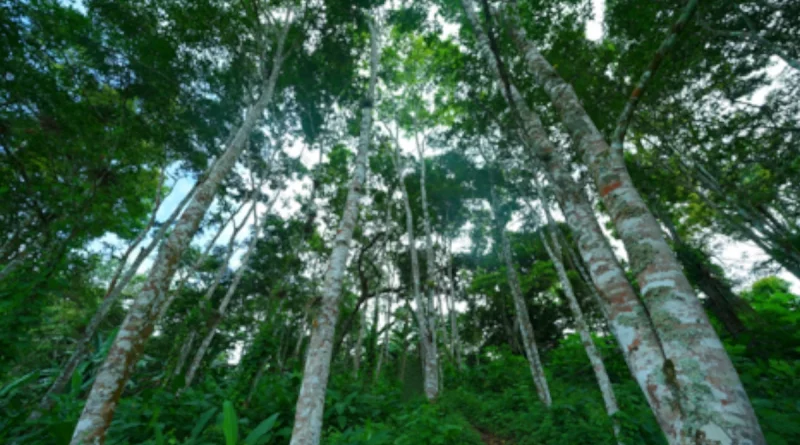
[(403, 360), (525, 327), (177, 290), (138, 325), (256, 379), (216, 280), (113, 293), (430, 258), (627, 317), (362, 326), (178, 287), (521, 309), (555, 253), (711, 397), (223, 305), (186, 349), (455, 346), (311, 401), (123, 261), (422, 312), (384, 352), (301, 335)]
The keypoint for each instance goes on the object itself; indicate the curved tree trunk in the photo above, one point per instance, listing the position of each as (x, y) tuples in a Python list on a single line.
[(138, 325), (311, 401)]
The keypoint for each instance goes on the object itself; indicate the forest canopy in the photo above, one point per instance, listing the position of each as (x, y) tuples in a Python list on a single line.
[(400, 222)]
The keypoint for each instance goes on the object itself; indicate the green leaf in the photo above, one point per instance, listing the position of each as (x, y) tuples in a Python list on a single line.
[(263, 428), (201, 424), (76, 382), (18, 382), (230, 424), (159, 436)]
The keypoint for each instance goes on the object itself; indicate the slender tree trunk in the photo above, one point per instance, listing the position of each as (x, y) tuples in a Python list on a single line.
[(138, 325), (301, 335), (455, 346), (256, 379), (178, 288), (599, 368), (403, 360), (422, 313), (521, 309), (525, 327), (362, 325), (223, 305), (430, 260), (113, 293), (311, 401), (186, 349), (384, 353), (219, 274), (711, 397), (123, 261), (626, 315)]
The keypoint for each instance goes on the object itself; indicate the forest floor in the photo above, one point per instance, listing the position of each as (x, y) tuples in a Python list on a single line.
[(490, 439)]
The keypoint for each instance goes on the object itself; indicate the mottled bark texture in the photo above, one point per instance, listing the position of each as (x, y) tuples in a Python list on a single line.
[(627, 317), (114, 291), (554, 252), (311, 402), (138, 324), (713, 405)]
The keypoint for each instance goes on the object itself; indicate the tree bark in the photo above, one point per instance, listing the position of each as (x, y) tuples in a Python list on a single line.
[(627, 317), (521, 309), (711, 397), (423, 312), (430, 258), (113, 293), (311, 401), (455, 346), (138, 325), (223, 305), (599, 368)]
